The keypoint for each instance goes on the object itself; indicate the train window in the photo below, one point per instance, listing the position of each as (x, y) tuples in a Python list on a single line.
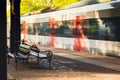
[(103, 29), (63, 29), (36, 25), (30, 28), (93, 29), (42, 28), (112, 25)]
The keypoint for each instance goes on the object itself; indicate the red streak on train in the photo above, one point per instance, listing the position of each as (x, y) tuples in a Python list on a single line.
[(24, 29), (78, 45), (52, 23)]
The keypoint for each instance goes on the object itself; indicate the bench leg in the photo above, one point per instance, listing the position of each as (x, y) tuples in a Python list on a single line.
[(8, 60), (16, 62), (38, 60), (49, 60)]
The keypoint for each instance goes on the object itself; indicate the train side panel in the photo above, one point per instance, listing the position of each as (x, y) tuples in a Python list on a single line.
[(93, 28)]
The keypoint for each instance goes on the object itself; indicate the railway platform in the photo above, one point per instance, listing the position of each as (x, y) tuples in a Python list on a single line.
[(112, 63), (69, 65)]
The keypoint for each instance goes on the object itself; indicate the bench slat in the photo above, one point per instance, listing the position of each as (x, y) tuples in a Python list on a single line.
[(11, 55), (26, 50), (22, 56), (25, 46), (36, 54)]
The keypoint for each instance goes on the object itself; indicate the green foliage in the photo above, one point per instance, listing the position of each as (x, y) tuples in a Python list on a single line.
[(33, 5), (8, 13), (63, 3), (105, 0)]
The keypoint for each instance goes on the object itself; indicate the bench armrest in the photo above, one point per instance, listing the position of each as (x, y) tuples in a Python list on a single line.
[(10, 55), (47, 53), (42, 54), (20, 55)]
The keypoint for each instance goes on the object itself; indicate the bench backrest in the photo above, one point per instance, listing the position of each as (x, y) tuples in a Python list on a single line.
[(24, 49), (35, 48)]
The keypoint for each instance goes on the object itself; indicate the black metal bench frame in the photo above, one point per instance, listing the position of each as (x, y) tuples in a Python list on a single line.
[(22, 54), (25, 51), (47, 54)]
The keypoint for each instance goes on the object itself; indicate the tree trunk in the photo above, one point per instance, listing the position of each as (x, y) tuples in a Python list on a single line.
[(15, 25), (3, 41)]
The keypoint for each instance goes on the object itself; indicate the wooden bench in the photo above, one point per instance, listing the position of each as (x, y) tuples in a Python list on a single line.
[(22, 54), (25, 51), (35, 51)]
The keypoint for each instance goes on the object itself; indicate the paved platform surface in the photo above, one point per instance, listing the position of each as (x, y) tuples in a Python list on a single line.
[(69, 65), (99, 60)]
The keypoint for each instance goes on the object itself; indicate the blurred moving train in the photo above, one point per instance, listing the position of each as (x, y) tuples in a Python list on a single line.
[(93, 28)]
